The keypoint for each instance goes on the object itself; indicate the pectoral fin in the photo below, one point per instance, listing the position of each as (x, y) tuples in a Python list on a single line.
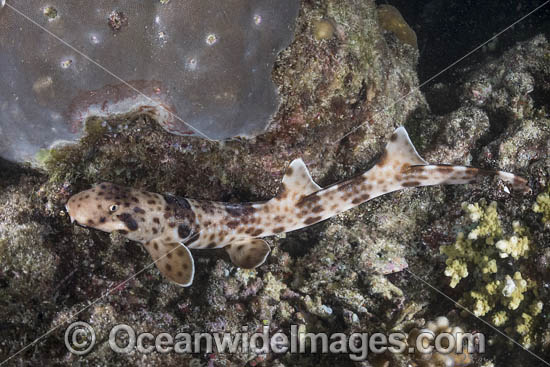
[(248, 253), (174, 261)]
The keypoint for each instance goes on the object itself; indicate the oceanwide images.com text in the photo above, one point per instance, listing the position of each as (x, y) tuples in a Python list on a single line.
[(80, 339)]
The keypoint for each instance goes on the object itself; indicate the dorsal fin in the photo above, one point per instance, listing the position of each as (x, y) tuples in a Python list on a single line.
[(297, 181), (400, 151)]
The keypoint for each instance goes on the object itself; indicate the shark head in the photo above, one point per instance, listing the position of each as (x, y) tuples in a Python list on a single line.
[(110, 208)]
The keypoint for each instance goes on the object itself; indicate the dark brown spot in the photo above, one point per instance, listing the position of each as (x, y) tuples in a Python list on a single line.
[(233, 224), (151, 202), (156, 246), (312, 220), (383, 160), (137, 209), (169, 255), (103, 186), (393, 137), (289, 171), (102, 220), (239, 210), (360, 199), (211, 245), (309, 200), (122, 231), (134, 199), (317, 209), (278, 229), (168, 267), (180, 252), (240, 247), (185, 266), (444, 169), (129, 221), (100, 193), (155, 231), (283, 192), (180, 274), (166, 215), (90, 222), (410, 184), (183, 231), (156, 220), (257, 232)]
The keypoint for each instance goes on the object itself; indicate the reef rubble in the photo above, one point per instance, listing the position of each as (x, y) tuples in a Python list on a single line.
[(353, 273)]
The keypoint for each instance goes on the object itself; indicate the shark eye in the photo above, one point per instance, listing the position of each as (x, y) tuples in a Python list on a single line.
[(113, 208)]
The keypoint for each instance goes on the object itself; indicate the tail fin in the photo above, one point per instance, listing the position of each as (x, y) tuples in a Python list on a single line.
[(439, 174), (401, 156)]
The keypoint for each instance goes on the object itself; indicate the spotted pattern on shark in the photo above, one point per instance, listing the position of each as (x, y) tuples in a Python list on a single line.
[(169, 226)]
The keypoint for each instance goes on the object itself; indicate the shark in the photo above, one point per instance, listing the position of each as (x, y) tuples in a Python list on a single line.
[(170, 226)]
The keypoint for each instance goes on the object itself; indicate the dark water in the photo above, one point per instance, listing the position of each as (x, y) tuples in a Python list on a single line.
[(448, 30)]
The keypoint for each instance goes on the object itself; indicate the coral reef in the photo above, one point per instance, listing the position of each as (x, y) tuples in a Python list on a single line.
[(499, 295), (434, 329), (199, 67), (358, 272), (391, 20), (543, 206)]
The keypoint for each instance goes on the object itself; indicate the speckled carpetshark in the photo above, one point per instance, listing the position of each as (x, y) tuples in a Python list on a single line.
[(169, 226)]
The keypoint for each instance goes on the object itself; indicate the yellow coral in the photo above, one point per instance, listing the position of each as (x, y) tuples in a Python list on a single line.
[(456, 270), (489, 225), (513, 290), (488, 266), (543, 206), (492, 288), (536, 308), (499, 318), (516, 246), (524, 324), (481, 303), (494, 293)]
